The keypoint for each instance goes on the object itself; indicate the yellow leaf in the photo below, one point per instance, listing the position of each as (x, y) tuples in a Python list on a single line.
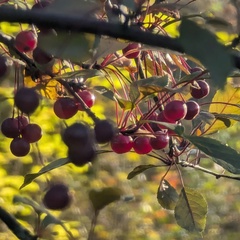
[(225, 101), (46, 87)]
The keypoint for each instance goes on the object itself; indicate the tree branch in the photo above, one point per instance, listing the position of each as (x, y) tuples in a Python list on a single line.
[(79, 23)]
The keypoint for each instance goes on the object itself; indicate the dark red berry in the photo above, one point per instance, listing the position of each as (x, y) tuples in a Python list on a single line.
[(4, 66), (32, 133), (160, 141), (121, 143), (65, 108), (132, 50), (82, 154), (175, 110), (58, 197), (193, 110), (40, 56), (141, 145), (104, 131), (19, 147), (26, 100), (10, 128), (200, 90), (26, 41), (76, 135), (87, 97)]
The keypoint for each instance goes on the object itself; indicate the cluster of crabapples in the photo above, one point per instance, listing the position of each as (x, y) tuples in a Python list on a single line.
[(81, 140)]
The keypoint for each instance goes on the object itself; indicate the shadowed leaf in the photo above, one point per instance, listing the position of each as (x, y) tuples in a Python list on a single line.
[(191, 210), (203, 45), (55, 164), (105, 92), (49, 219), (223, 155), (102, 198), (167, 195), (86, 73), (77, 48), (139, 169), (125, 104), (148, 86)]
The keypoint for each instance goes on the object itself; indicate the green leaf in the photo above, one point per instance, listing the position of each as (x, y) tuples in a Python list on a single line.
[(193, 76), (74, 7), (105, 92), (203, 45), (191, 210), (75, 47), (86, 73), (148, 86), (167, 195), (37, 208), (102, 198), (130, 4), (139, 169), (223, 155), (55, 164), (105, 46), (223, 116), (179, 130), (49, 219), (125, 104)]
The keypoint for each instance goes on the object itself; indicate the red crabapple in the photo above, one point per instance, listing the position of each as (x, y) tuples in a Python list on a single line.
[(26, 41)]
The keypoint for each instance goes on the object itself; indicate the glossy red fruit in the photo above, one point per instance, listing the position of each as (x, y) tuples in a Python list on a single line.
[(161, 141), (87, 97), (57, 197), (193, 110), (19, 147), (4, 66), (141, 145), (200, 90), (121, 143), (76, 135), (175, 110), (10, 128), (104, 131), (25, 41), (132, 50), (65, 108), (32, 133), (26, 100), (41, 57)]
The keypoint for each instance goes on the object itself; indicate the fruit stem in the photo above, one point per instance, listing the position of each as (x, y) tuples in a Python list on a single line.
[(79, 99)]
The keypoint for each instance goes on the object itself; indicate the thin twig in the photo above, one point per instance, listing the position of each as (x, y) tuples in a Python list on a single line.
[(217, 175)]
